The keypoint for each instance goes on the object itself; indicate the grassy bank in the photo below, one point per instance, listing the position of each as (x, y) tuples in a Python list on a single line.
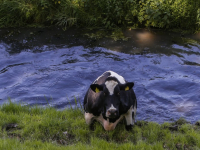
[(108, 14), (24, 127)]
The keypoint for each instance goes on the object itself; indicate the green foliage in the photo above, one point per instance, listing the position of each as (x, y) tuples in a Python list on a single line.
[(45, 12), (108, 14), (154, 13), (169, 14), (47, 128)]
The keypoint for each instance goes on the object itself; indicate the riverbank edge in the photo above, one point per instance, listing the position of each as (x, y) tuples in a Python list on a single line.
[(26, 127)]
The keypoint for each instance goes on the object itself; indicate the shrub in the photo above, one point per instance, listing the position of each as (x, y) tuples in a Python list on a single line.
[(109, 14)]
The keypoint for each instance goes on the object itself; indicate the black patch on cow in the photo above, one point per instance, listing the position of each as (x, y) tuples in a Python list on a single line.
[(112, 79), (94, 86), (129, 84), (111, 120), (129, 127), (92, 125)]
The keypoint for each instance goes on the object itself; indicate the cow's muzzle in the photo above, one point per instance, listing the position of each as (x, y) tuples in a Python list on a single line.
[(112, 113)]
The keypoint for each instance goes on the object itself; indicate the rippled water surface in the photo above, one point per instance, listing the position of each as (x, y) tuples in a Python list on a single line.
[(53, 67)]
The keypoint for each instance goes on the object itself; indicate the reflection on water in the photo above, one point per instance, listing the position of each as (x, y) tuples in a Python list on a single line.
[(185, 106), (146, 38), (53, 67)]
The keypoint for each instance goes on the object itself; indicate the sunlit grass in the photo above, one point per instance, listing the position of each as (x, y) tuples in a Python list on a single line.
[(47, 128)]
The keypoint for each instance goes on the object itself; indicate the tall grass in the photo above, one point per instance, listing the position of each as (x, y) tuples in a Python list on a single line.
[(37, 12), (166, 14), (24, 127)]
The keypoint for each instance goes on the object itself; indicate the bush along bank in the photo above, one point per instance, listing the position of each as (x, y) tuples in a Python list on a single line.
[(108, 14), (24, 127)]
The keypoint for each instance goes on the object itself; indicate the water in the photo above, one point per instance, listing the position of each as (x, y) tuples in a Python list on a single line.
[(54, 67)]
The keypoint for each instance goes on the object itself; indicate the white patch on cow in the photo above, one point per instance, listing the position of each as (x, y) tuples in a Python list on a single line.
[(110, 85), (112, 74), (134, 110), (89, 118), (128, 116), (112, 107), (119, 78)]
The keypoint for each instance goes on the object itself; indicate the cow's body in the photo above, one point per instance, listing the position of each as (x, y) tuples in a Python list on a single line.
[(109, 99)]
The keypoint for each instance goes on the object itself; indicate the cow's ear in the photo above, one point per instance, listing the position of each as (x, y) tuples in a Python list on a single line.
[(96, 88), (127, 86)]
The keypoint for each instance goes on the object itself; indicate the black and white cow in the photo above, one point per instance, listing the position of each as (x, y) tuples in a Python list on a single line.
[(109, 99)]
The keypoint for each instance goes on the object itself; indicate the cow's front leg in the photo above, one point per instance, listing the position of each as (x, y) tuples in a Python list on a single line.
[(89, 118), (129, 119)]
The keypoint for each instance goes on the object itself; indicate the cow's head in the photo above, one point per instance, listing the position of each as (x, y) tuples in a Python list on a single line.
[(110, 95)]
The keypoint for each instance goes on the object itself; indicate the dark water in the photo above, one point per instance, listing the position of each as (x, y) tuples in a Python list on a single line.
[(53, 67)]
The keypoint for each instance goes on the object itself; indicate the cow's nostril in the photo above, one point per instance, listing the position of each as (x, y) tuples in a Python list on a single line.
[(109, 113), (112, 113)]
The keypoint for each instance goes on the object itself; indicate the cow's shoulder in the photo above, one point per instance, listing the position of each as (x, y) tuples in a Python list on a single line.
[(128, 99), (117, 76), (101, 79)]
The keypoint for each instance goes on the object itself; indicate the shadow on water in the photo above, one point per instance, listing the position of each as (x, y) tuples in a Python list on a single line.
[(53, 67)]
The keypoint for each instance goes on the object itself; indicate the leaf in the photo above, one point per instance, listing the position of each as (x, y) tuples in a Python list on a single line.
[(168, 21), (165, 18)]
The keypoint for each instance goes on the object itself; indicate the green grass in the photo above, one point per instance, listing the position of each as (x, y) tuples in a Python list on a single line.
[(34, 128)]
